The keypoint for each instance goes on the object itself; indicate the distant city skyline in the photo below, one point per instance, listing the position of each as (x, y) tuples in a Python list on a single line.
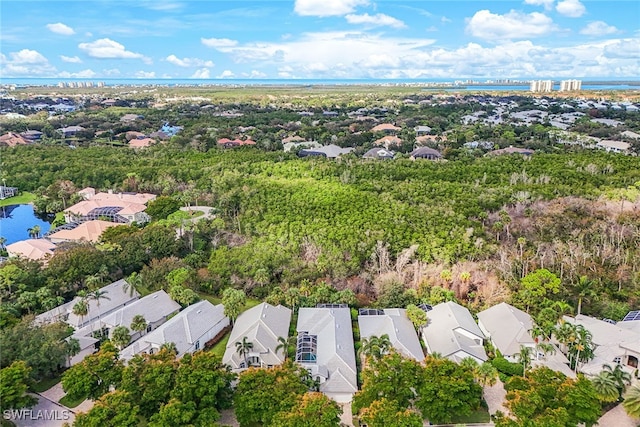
[(320, 39)]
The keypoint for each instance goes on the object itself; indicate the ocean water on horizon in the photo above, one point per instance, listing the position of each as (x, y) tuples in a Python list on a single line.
[(521, 84)]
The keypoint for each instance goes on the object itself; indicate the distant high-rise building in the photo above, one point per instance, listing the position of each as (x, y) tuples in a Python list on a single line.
[(541, 85), (570, 85)]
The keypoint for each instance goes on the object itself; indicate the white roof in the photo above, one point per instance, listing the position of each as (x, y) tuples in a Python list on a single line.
[(394, 323), (610, 340), (117, 298), (262, 325), (183, 329), (508, 327), (117, 295), (153, 307), (451, 330), (336, 357)]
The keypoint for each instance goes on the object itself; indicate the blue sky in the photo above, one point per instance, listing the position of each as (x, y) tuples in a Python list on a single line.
[(320, 39)]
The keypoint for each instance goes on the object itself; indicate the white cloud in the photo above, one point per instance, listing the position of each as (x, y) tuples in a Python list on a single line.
[(27, 56), (108, 49), (60, 28), (513, 25), (226, 74), (218, 43), (188, 62), (71, 59), (546, 3), (598, 28), (445, 20), (26, 63), (145, 74), (625, 48), (111, 72), (571, 8), (84, 74), (255, 74), (377, 19), (202, 73), (324, 8)]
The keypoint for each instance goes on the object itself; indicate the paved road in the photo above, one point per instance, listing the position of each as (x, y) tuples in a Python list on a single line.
[(45, 414)]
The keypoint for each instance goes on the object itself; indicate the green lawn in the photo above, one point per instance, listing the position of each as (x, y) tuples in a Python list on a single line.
[(480, 415), (21, 199), (221, 345), (45, 384), (71, 403), (251, 302)]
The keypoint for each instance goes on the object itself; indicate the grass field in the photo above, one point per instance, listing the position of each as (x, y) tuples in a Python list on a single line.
[(21, 199), (71, 403), (45, 384)]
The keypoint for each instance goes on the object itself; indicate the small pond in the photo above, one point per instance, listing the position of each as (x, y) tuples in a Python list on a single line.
[(16, 220)]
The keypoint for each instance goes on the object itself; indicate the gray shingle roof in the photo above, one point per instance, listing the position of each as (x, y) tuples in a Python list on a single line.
[(335, 350), (508, 327), (397, 326), (262, 325), (452, 332)]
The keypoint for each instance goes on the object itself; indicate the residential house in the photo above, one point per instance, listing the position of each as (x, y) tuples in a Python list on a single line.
[(89, 231), (141, 198), (379, 154), (451, 332), (70, 131), (614, 343), (117, 296), (291, 146), (325, 348), (394, 323), (156, 309), (614, 146), (510, 150), (388, 141), (33, 249), (426, 153), (11, 139), (6, 192), (32, 135), (422, 130), (189, 331), (508, 328), (330, 151), (387, 128), (262, 325), (128, 118), (169, 130), (141, 142)]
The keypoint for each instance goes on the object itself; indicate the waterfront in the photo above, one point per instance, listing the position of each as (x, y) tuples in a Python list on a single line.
[(16, 220)]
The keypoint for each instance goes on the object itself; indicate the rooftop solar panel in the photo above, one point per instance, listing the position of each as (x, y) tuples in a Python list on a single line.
[(631, 316)]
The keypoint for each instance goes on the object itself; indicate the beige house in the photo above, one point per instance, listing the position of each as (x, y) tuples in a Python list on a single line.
[(33, 249), (89, 231)]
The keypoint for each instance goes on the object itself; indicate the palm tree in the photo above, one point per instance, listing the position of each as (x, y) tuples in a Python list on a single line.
[(72, 348), (283, 345), (605, 387), (632, 401), (170, 347), (3, 241), (120, 337), (34, 231), (524, 357), (243, 348), (132, 284), (375, 347), (486, 374), (81, 309), (98, 295), (619, 376), (138, 324), (584, 290), (470, 364)]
